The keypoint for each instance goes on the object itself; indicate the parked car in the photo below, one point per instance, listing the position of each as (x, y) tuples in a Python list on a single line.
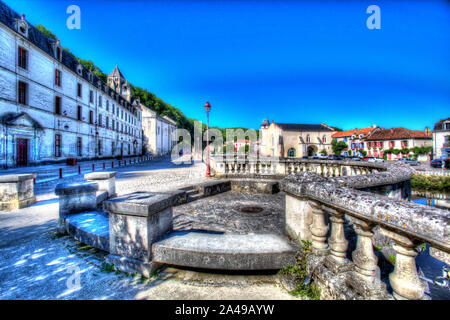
[(356, 159), (305, 157), (315, 158), (412, 162), (322, 156), (436, 163), (334, 157), (369, 159), (379, 160)]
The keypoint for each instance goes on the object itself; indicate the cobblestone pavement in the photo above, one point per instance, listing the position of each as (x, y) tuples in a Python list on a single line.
[(36, 264)]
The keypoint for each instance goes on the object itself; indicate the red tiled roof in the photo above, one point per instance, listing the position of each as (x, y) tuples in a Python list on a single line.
[(399, 133), (357, 132)]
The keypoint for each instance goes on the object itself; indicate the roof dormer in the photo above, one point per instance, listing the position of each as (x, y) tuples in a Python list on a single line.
[(22, 26), (57, 50), (80, 69)]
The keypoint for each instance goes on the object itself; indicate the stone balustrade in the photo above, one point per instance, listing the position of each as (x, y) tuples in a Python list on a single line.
[(16, 191), (315, 204), (264, 167)]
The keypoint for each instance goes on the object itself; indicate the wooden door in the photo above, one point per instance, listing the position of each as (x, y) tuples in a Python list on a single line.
[(22, 152)]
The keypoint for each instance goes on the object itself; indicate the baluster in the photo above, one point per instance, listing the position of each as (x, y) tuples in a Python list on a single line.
[(404, 279), (364, 257), (336, 261), (319, 230)]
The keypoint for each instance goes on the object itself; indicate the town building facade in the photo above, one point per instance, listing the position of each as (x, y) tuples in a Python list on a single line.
[(355, 139), (294, 140), (52, 108), (397, 138), (160, 133), (441, 139)]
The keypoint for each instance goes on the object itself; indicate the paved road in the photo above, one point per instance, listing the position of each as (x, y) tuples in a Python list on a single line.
[(36, 264)]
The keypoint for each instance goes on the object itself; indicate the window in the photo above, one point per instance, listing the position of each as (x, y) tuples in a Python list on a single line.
[(107, 105), (308, 138), (79, 113), (58, 105), (100, 120), (100, 145), (100, 101), (324, 139), (113, 108), (91, 96), (291, 153), (57, 145), (79, 90), (447, 126), (58, 53), (107, 122), (404, 144), (23, 58), (79, 146), (91, 116), (23, 92), (112, 123), (58, 77)]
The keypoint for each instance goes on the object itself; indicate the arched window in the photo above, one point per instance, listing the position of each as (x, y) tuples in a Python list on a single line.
[(324, 139), (273, 140), (308, 138), (291, 153)]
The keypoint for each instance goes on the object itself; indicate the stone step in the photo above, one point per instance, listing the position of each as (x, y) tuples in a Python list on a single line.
[(91, 227), (224, 251), (192, 192)]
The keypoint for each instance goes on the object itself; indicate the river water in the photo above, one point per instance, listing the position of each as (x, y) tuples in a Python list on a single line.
[(430, 266)]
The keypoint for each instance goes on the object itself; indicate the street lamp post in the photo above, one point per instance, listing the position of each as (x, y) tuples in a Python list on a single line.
[(207, 109)]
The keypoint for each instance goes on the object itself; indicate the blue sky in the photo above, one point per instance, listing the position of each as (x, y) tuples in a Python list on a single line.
[(289, 61)]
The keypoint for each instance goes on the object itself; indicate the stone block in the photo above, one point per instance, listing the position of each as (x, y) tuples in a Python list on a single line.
[(16, 191), (74, 198), (298, 218), (106, 181), (136, 221)]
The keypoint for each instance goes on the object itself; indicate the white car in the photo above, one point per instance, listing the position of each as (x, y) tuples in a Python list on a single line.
[(321, 156)]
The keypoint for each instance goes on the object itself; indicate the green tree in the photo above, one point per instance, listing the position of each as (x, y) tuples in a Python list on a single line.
[(363, 152), (324, 152), (338, 146)]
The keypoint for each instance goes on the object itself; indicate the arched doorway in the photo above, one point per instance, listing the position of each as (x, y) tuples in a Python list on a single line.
[(312, 151), (292, 153)]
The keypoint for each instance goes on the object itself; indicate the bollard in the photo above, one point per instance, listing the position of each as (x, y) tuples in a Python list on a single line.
[(93, 167), (60, 173), (112, 164), (119, 163), (104, 166), (79, 169)]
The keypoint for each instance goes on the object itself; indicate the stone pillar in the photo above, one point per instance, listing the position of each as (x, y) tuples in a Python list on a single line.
[(136, 221), (298, 217), (404, 280), (74, 198), (366, 279), (106, 181), (16, 191), (364, 257), (319, 230), (337, 260)]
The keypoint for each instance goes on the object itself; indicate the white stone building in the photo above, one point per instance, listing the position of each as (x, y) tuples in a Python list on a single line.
[(441, 139), (159, 132), (52, 108)]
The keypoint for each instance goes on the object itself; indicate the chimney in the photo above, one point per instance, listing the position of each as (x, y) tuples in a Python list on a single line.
[(22, 16), (374, 126), (427, 131)]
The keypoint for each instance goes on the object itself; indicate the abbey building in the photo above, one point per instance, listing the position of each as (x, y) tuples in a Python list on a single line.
[(52, 108)]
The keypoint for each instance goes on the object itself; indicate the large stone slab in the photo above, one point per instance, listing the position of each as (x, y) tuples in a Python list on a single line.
[(224, 251), (16, 191), (90, 227)]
